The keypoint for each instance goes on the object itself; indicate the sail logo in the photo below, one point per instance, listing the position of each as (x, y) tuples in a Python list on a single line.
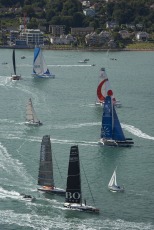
[(75, 158), (36, 66), (75, 195)]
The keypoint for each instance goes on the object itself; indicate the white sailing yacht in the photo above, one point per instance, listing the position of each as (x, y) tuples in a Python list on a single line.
[(31, 118), (40, 69), (113, 186)]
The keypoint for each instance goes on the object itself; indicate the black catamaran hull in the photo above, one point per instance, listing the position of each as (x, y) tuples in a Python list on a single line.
[(82, 208), (114, 143)]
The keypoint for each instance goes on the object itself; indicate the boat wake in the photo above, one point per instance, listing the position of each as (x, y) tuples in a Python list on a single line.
[(137, 132), (8, 194), (13, 168), (75, 126), (71, 65)]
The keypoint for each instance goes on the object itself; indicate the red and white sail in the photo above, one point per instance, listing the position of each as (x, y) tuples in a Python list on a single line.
[(103, 88)]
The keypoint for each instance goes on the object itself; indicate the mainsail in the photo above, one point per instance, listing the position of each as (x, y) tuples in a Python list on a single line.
[(73, 190), (45, 177), (111, 128), (113, 180), (30, 113), (14, 61)]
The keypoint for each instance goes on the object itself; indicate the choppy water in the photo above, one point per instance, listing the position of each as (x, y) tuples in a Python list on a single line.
[(66, 106)]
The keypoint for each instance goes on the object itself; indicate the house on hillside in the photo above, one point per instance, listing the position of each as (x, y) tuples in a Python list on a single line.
[(142, 36), (89, 12), (81, 31)]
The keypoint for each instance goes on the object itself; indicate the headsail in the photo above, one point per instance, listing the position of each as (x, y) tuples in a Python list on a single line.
[(45, 177), (73, 190), (103, 86)]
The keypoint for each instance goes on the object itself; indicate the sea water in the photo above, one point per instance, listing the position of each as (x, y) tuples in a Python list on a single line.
[(66, 106)]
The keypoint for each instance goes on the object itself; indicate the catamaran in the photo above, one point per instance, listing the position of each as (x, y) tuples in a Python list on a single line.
[(73, 199), (45, 176), (113, 186), (14, 76), (103, 88), (40, 69), (111, 130), (31, 118)]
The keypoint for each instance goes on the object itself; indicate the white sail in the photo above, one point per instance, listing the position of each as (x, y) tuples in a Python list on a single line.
[(31, 117), (113, 180), (40, 68)]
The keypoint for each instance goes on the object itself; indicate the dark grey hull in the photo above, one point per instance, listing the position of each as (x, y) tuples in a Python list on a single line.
[(56, 191)]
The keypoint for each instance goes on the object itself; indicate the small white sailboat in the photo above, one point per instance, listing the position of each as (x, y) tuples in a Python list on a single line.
[(45, 175), (14, 76), (40, 69), (73, 199), (113, 186), (102, 89), (31, 118)]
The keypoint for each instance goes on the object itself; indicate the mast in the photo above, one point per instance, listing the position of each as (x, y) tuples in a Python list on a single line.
[(45, 176)]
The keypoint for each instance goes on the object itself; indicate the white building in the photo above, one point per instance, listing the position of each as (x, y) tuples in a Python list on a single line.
[(32, 37), (63, 40), (142, 36)]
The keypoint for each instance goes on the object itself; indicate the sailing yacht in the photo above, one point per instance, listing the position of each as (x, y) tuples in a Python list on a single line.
[(102, 89), (40, 69), (31, 118), (45, 176), (111, 130), (112, 186), (14, 76), (73, 199)]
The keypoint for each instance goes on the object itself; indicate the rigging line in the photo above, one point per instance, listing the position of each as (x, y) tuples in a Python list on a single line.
[(57, 166), (21, 146), (87, 183)]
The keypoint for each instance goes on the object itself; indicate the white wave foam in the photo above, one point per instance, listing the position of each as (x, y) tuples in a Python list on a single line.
[(70, 65), (13, 167), (136, 132), (32, 220), (75, 126), (8, 194)]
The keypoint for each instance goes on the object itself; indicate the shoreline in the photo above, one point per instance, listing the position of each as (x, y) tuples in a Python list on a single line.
[(78, 49)]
